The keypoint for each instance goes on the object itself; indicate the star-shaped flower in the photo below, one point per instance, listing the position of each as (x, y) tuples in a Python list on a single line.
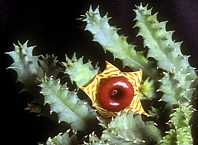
[(113, 91)]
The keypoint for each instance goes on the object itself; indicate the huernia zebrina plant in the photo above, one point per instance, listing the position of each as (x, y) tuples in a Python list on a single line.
[(113, 97)]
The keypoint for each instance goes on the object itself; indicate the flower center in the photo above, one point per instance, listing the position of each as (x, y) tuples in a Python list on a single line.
[(116, 93)]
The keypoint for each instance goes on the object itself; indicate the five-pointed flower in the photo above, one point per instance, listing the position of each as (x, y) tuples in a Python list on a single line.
[(113, 91)]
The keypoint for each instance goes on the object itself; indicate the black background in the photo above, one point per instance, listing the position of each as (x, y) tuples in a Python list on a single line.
[(54, 28)]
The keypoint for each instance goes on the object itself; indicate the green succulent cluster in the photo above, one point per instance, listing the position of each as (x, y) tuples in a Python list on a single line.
[(178, 75), (173, 74)]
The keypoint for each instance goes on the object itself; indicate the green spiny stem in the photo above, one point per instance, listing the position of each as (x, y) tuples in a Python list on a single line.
[(64, 102), (31, 68), (170, 138), (147, 89), (60, 139), (171, 91), (110, 40), (167, 52), (180, 119), (25, 64), (159, 41), (128, 129), (50, 66), (79, 72), (94, 140), (181, 133)]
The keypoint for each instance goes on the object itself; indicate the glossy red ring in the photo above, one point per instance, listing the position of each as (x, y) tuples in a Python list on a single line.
[(116, 93)]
